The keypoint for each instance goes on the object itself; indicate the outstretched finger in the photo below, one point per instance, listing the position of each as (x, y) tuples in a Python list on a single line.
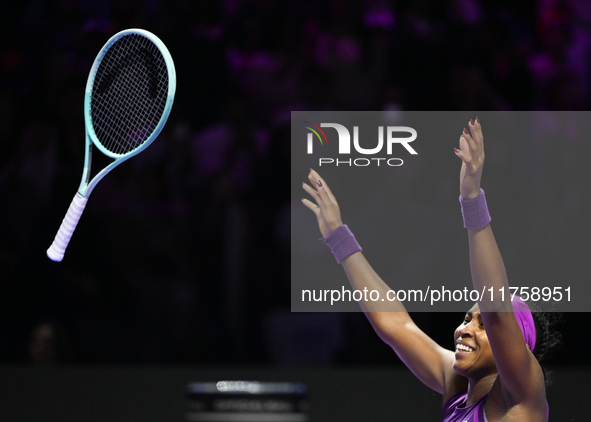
[(314, 177), (313, 193), (311, 205), (325, 200), (471, 142), (476, 131)]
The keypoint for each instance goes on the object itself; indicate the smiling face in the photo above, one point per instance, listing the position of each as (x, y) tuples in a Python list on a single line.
[(473, 358)]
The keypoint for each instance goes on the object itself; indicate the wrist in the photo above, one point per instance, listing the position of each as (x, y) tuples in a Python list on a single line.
[(470, 185), (471, 194), (333, 226)]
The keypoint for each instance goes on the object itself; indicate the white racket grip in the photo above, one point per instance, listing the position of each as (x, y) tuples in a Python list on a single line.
[(58, 248)]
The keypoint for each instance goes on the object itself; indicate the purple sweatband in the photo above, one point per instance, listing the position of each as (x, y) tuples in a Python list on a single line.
[(475, 212), (342, 243), (525, 319)]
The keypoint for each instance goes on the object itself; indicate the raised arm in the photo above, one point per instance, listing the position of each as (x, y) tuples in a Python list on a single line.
[(520, 380), (431, 363)]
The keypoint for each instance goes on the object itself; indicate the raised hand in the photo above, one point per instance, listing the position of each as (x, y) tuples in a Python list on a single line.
[(326, 207), (472, 154)]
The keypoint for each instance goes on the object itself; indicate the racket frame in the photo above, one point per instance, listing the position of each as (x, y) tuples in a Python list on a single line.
[(87, 185)]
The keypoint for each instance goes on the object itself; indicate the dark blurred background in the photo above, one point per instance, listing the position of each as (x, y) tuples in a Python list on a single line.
[(182, 254)]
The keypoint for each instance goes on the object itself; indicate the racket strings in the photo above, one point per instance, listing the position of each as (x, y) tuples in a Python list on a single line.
[(129, 94)]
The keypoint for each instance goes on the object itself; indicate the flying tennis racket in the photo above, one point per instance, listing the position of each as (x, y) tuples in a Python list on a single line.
[(129, 94)]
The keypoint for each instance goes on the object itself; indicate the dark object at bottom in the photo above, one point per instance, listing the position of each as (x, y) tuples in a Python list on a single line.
[(247, 401)]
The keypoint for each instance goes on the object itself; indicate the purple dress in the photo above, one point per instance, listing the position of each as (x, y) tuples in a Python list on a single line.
[(473, 413)]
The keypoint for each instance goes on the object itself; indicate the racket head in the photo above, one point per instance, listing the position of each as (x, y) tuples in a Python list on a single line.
[(129, 93)]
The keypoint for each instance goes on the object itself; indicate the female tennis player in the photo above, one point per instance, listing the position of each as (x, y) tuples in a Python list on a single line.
[(492, 375)]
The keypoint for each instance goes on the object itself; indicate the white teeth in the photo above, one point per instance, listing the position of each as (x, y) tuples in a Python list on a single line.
[(464, 348)]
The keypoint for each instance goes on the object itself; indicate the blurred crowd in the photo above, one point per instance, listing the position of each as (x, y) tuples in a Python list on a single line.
[(183, 253)]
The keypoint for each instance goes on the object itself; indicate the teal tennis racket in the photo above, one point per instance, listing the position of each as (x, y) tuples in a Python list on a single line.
[(129, 94)]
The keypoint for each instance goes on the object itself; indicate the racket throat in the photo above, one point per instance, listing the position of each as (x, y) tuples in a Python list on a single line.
[(87, 184), (83, 188)]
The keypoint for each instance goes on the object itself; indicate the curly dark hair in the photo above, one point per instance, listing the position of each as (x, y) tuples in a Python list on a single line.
[(548, 338)]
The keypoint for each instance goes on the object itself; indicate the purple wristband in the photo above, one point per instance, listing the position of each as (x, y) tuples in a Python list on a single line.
[(475, 212), (342, 243)]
